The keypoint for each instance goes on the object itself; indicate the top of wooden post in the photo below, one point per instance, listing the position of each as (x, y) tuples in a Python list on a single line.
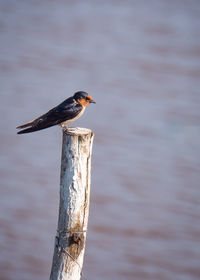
[(77, 131)]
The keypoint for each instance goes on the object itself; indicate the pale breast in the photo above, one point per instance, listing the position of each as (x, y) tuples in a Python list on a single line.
[(74, 119)]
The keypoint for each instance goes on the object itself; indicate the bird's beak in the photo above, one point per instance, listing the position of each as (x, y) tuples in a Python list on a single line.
[(92, 101)]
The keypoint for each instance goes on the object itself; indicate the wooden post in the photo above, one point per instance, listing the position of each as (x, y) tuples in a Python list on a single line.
[(74, 204)]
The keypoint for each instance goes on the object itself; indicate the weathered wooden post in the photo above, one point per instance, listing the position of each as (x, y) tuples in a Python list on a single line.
[(74, 204)]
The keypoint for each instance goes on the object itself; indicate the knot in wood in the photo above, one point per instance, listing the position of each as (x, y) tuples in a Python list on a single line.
[(76, 238)]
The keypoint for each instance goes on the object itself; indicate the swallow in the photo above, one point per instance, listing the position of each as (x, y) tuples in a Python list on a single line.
[(66, 112)]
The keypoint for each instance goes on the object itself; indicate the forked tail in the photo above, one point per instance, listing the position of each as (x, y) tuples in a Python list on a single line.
[(25, 125)]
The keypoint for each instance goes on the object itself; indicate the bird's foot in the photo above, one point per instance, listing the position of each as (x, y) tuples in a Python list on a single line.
[(63, 126)]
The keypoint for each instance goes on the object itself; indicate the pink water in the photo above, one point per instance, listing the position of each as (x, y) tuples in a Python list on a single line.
[(140, 61)]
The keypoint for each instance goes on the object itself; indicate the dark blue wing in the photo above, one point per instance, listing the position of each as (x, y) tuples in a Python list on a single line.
[(67, 110)]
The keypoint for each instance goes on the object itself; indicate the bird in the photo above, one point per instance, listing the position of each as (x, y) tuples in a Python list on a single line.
[(66, 112)]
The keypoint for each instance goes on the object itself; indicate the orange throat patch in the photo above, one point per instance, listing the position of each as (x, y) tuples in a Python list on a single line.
[(83, 102)]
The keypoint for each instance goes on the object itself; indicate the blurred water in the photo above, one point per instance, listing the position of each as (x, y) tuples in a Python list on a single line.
[(140, 60)]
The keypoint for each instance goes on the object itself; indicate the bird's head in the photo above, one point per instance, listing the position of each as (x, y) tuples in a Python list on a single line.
[(83, 98)]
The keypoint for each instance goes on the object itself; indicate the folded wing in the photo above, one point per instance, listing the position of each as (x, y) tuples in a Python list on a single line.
[(57, 115)]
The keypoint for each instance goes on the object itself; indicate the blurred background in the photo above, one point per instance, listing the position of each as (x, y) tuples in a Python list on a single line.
[(140, 61)]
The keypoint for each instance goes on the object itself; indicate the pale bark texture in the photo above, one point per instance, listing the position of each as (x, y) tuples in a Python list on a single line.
[(74, 204)]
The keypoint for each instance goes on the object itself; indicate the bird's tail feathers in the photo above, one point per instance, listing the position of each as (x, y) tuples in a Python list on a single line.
[(25, 125), (27, 130)]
